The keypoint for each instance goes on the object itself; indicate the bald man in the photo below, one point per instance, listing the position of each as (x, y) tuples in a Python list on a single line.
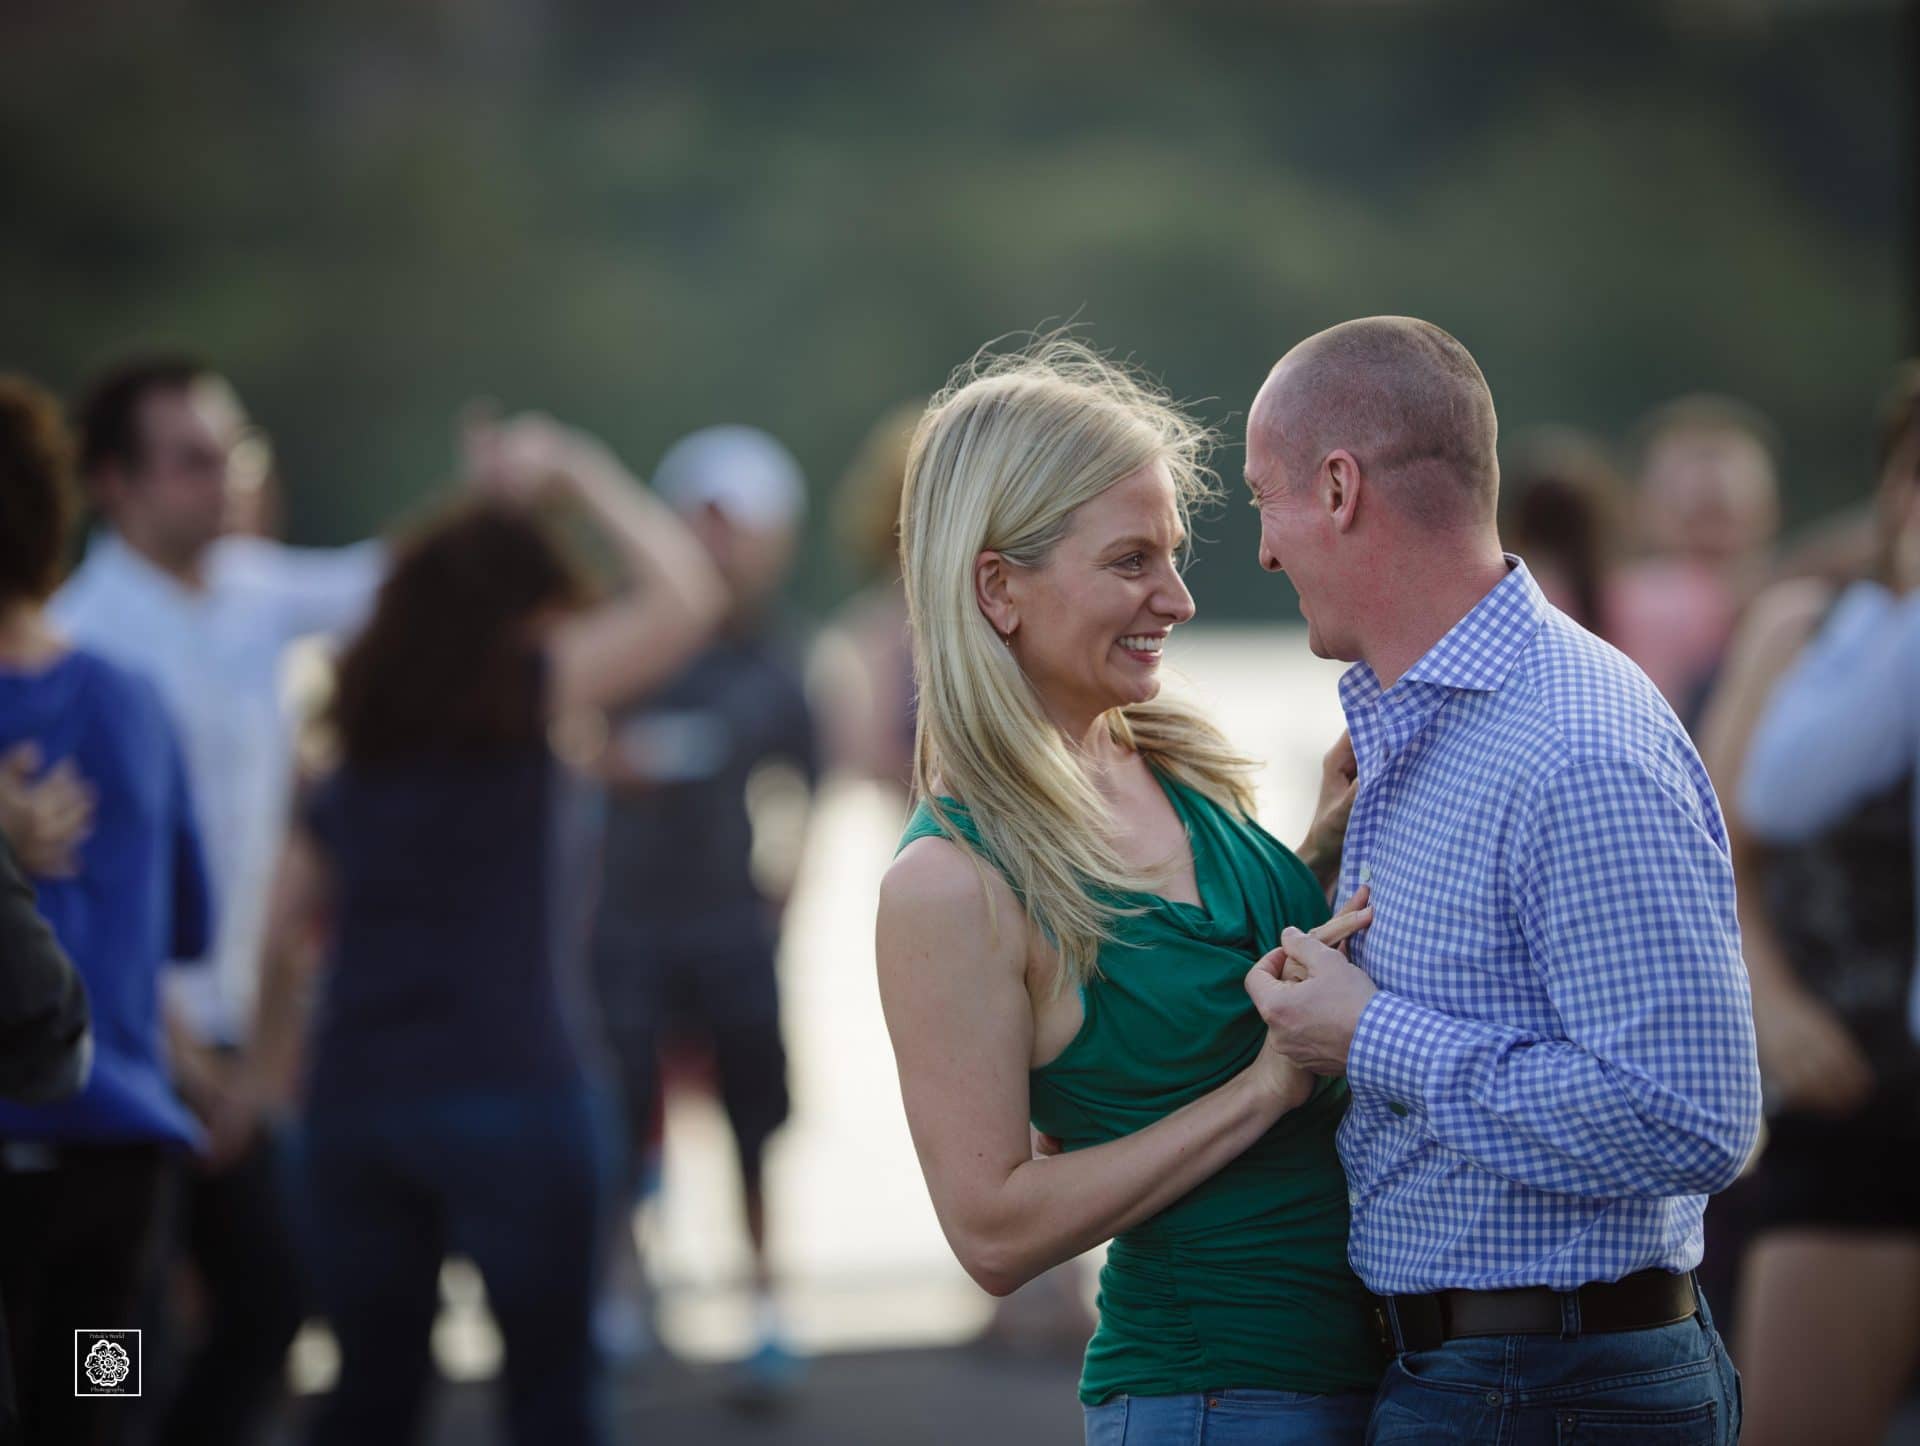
[(1546, 1032)]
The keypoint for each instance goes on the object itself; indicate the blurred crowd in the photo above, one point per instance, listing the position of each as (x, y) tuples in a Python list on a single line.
[(317, 975)]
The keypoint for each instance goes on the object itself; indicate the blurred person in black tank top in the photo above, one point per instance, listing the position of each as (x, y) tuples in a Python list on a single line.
[(446, 1104)]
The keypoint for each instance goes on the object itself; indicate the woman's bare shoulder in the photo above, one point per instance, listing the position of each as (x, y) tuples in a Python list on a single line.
[(932, 872), (936, 895)]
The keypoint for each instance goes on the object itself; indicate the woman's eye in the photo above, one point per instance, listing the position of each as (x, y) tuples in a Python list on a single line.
[(1133, 561)]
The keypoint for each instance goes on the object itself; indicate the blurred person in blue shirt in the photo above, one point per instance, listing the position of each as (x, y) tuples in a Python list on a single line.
[(82, 1181)]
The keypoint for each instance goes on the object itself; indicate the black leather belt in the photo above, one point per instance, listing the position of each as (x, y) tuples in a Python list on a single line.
[(1638, 1302)]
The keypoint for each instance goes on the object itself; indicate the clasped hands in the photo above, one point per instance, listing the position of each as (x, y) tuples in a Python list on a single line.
[(1310, 994)]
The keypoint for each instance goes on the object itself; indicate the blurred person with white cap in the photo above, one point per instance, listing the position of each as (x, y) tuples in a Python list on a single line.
[(689, 925)]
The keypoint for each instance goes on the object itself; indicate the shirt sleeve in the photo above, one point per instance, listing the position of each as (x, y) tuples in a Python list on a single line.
[(1651, 1089), (1844, 723), (312, 589), (46, 1047)]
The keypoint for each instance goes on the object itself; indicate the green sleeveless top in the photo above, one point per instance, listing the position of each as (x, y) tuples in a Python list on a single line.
[(1244, 1281)]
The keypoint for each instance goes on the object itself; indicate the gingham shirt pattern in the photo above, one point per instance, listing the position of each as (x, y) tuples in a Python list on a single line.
[(1559, 1066)]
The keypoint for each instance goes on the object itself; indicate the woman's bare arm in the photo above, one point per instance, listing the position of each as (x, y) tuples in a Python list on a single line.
[(953, 986), (674, 599), (1805, 1051)]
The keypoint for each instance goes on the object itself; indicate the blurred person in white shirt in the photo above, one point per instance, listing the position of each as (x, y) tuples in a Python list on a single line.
[(209, 617)]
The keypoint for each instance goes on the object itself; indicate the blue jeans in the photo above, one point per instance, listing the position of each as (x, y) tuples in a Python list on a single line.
[(1666, 1386), (513, 1180), (1230, 1418)]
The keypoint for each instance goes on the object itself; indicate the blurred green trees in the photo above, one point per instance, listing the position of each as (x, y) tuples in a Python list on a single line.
[(651, 218)]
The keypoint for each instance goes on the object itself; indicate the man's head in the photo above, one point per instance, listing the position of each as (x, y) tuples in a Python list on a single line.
[(1708, 485), (744, 496), (1371, 450), (157, 440), (36, 492)]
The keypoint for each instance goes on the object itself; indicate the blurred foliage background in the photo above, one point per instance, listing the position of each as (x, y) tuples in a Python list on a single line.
[(649, 218)]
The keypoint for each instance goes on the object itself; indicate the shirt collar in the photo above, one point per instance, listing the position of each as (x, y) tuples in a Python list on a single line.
[(119, 560), (1478, 652)]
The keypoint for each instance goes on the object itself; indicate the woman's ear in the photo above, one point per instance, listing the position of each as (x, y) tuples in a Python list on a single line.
[(993, 590)]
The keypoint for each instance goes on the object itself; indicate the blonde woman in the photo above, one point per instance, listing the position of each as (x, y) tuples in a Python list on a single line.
[(1079, 896)]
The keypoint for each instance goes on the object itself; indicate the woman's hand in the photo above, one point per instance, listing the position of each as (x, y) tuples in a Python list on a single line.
[(1339, 783), (45, 819), (1807, 1054), (1310, 1029), (526, 457), (1349, 919)]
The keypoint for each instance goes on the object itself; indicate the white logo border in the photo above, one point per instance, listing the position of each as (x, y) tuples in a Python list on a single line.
[(81, 1395)]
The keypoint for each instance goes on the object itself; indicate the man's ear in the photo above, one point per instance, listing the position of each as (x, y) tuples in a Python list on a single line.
[(1344, 484), (993, 590)]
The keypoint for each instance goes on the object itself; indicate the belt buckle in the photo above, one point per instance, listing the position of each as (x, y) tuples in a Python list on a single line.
[(1383, 1326)]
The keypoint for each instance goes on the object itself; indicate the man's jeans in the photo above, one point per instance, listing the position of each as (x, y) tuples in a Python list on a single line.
[(1667, 1386)]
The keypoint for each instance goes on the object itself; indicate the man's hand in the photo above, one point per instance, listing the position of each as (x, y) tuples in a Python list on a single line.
[(1326, 836), (1309, 994), (46, 820), (235, 1115)]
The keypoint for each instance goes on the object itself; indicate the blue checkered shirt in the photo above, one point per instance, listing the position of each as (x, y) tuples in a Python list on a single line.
[(1559, 1065)]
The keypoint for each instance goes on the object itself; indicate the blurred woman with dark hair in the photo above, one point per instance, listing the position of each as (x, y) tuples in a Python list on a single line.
[(1563, 504), (447, 1108)]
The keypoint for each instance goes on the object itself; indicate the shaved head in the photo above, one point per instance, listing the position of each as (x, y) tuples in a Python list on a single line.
[(1406, 399)]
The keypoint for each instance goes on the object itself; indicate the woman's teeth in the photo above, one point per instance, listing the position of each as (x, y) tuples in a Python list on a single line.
[(1142, 645)]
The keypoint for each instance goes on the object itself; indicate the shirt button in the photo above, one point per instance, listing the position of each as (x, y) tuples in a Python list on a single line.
[(1366, 873), (1398, 1109)]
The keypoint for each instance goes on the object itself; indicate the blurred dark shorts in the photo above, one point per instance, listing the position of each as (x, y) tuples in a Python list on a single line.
[(716, 989), (1861, 1173)]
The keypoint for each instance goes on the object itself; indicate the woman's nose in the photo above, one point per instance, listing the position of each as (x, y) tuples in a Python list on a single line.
[(1175, 601)]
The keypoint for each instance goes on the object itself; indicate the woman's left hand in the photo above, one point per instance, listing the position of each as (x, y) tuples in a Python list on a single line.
[(1339, 783)]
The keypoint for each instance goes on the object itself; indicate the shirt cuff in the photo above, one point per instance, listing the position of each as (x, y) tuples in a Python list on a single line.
[(1395, 1045)]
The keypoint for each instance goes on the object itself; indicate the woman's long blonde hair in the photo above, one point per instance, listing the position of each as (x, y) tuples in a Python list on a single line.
[(1000, 460)]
